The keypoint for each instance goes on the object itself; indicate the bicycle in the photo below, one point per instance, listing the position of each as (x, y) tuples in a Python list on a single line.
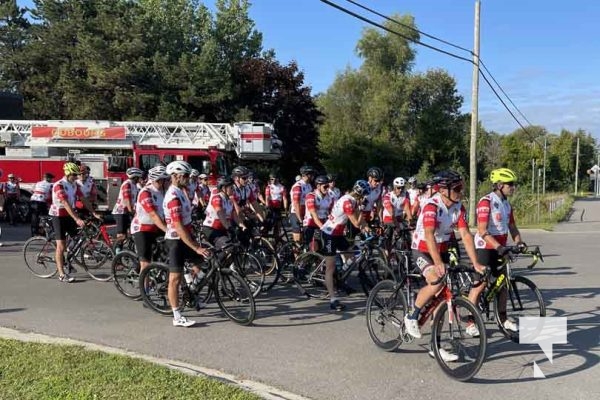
[(309, 270), (82, 249), (523, 297), (450, 313), (232, 293)]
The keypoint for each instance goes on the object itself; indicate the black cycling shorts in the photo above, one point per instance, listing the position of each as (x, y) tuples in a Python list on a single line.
[(489, 258), (143, 244), (295, 224), (424, 261), (216, 237), (62, 226), (123, 223), (179, 252), (331, 244)]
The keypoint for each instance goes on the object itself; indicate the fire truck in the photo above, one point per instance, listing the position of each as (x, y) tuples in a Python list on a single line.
[(32, 148)]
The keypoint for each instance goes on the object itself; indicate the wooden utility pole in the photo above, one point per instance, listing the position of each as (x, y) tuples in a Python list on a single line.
[(577, 166), (474, 120)]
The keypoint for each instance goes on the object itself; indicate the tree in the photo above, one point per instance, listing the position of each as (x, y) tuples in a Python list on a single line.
[(14, 35)]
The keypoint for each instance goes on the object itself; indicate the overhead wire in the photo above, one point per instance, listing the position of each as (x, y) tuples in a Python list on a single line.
[(371, 22)]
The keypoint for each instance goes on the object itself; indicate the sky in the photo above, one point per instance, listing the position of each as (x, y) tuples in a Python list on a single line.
[(545, 54)]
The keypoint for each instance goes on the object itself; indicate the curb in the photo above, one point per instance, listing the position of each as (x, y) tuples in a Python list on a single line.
[(257, 388)]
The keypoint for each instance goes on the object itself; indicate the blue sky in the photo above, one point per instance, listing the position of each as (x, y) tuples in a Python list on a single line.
[(545, 54)]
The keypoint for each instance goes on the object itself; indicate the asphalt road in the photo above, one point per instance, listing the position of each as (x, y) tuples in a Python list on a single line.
[(298, 345)]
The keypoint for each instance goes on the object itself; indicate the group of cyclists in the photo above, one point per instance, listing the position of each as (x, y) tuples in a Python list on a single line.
[(164, 201)]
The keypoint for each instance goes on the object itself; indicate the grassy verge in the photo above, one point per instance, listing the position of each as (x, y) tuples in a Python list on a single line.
[(44, 371)]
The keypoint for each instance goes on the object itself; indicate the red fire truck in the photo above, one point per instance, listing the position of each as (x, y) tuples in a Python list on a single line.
[(31, 148)]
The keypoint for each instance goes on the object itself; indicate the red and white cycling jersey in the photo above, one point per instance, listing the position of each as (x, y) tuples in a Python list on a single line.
[(192, 191), (42, 192), (498, 215), (219, 201), (11, 189), (89, 189), (413, 193), (443, 219), (298, 194), (319, 203), (372, 198), (393, 206), (275, 192), (149, 199), (336, 222), (335, 193), (243, 195), (203, 192), (63, 190), (177, 208), (128, 191)]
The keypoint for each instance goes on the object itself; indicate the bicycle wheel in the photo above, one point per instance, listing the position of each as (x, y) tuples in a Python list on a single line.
[(250, 268), (373, 270), (94, 257), (385, 311), (286, 257), (234, 297), (39, 254), (523, 300), (448, 333), (154, 286), (309, 274), (126, 274)]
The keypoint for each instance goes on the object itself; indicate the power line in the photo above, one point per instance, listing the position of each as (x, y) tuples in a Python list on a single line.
[(371, 22)]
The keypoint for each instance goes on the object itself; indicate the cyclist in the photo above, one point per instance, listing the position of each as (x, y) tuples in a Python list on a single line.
[(244, 202), (40, 201), (192, 188), (372, 203), (149, 215), (203, 191), (276, 195), (254, 185), (180, 242), (88, 188), (439, 216), (221, 216), (495, 221), (334, 191), (344, 210), (12, 192), (396, 208), (318, 206), (65, 219), (298, 193), (125, 205), (413, 190)]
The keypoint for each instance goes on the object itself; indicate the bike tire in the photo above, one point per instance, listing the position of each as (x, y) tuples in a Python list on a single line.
[(251, 269), (309, 274), (40, 256), (385, 311), (524, 299), (449, 334), (125, 269), (286, 257), (234, 297), (374, 270), (154, 285), (94, 256)]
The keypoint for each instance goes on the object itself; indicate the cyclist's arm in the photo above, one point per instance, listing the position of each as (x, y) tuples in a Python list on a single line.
[(512, 227), (71, 211), (185, 235), (469, 243), (483, 217), (407, 212), (432, 246), (158, 221)]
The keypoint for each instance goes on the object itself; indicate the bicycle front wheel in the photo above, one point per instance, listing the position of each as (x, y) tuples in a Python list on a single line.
[(126, 274), (309, 275), (40, 256), (94, 256), (385, 311), (251, 269), (522, 300), (463, 354), (374, 270), (154, 288), (234, 297)]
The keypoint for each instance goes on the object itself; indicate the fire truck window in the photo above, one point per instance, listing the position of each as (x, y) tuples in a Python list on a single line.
[(167, 158), (148, 161), (117, 163), (200, 163), (222, 166)]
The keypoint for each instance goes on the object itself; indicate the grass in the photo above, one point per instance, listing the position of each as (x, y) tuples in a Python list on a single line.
[(44, 371)]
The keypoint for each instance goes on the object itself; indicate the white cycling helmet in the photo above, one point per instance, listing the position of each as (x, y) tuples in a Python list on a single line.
[(156, 173), (195, 173), (179, 167), (399, 181), (412, 179), (134, 172)]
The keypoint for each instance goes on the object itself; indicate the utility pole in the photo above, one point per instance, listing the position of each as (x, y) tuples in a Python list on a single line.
[(597, 172), (474, 119), (576, 166), (544, 184), (532, 175)]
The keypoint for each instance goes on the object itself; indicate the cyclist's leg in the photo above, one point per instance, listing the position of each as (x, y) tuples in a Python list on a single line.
[(177, 255), (62, 227), (296, 226), (35, 217), (143, 245), (488, 258), (331, 244)]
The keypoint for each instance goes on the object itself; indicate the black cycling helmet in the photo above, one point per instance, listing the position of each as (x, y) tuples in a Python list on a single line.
[(307, 170), (375, 173), (447, 178), (224, 181), (48, 175), (322, 180), (332, 177), (361, 188), (240, 170)]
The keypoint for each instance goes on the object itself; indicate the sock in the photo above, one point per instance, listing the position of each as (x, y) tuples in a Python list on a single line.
[(176, 313), (333, 300), (415, 314)]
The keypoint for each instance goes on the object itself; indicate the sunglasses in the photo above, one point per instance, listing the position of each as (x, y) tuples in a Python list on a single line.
[(325, 186), (511, 184), (458, 189), (376, 180)]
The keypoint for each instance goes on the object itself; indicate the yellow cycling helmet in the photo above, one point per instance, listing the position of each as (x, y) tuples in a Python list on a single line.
[(71, 169), (503, 175)]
